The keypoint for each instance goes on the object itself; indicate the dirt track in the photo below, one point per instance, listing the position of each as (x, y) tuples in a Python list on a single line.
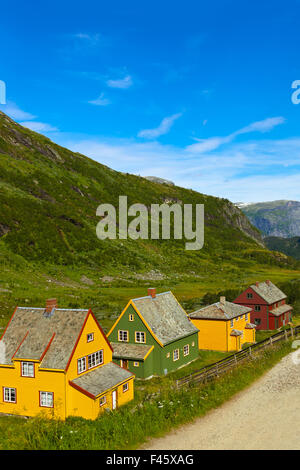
[(265, 416)]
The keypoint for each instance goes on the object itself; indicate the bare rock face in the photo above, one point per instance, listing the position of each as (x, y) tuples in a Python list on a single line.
[(275, 218), (156, 179)]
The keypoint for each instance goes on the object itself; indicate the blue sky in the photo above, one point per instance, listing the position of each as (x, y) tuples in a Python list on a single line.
[(196, 92)]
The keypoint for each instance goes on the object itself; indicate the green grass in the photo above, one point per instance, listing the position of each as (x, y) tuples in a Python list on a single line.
[(150, 415)]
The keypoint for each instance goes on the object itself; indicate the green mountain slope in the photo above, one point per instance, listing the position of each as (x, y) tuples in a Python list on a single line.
[(48, 244), (275, 218), (289, 246)]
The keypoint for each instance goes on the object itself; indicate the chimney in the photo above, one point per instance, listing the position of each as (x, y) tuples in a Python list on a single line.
[(222, 300), (152, 292), (50, 305), (268, 282), (257, 283)]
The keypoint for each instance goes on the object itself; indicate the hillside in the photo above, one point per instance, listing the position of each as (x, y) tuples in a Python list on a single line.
[(275, 218), (48, 244), (289, 246)]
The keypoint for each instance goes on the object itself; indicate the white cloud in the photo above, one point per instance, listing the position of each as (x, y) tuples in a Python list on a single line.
[(249, 171), (100, 101), (162, 129), (38, 126), (16, 113), (89, 39), (123, 83), (212, 143)]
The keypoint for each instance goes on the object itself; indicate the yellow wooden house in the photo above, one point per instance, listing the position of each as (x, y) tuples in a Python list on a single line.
[(223, 326), (58, 362)]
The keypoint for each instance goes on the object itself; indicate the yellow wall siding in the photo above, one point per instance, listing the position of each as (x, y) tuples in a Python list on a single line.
[(89, 408), (28, 388), (215, 334), (212, 334), (83, 348)]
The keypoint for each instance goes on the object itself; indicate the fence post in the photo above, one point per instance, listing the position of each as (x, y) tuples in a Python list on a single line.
[(285, 335), (235, 358), (271, 340), (250, 351), (292, 332)]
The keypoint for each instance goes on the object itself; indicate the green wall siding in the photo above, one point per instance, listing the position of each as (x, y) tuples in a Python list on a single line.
[(157, 363)]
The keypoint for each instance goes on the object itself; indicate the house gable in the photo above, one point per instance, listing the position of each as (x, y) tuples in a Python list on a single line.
[(137, 324), (85, 345), (256, 299)]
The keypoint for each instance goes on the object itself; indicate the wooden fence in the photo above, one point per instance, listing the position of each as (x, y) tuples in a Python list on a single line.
[(212, 371)]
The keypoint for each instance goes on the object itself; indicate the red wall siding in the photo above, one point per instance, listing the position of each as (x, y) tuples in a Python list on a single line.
[(256, 300)]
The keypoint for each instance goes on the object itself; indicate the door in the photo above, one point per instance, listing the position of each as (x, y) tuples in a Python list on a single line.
[(124, 364), (114, 399)]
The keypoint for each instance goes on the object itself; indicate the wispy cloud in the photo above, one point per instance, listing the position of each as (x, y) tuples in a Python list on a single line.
[(212, 143), (100, 101), (89, 39), (162, 129), (13, 111), (26, 119), (122, 83), (38, 126), (252, 170)]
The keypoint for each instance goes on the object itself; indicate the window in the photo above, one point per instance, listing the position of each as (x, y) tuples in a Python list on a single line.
[(175, 354), (125, 387), (9, 395), (140, 337), (95, 359), (257, 321), (231, 323), (90, 337), (123, 335), (241, 317), (193, 343), (257, 308), (131, 317), (102, 401), (168, 355), (81, 365), (186, 350), (246, 317), (249, 295), (46, 399), (27, 369), (136, 364)]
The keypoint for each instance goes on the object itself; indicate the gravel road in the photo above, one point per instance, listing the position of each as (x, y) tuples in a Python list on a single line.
[(264, 416)]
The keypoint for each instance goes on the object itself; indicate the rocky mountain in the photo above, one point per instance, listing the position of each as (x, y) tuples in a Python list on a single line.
[(276, 218)]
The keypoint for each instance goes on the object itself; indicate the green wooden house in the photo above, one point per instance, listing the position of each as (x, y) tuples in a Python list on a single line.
[(153, 336)]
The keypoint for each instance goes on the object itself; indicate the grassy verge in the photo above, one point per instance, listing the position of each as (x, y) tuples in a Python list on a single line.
[(149, 415)]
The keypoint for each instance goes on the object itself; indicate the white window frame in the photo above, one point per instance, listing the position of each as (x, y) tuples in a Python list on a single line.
[(8, 393), (81, 365), (102, 400), (46, 399), (27, 369), (90, 337), (246, 316), (231, 323), (131, 317), (175, 351), (125, 387), (186, 349), (136, 364), (95, 359), (121, 334), (139, 335)]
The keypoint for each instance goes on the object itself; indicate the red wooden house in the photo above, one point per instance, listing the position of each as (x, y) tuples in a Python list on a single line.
[(268, 303)]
